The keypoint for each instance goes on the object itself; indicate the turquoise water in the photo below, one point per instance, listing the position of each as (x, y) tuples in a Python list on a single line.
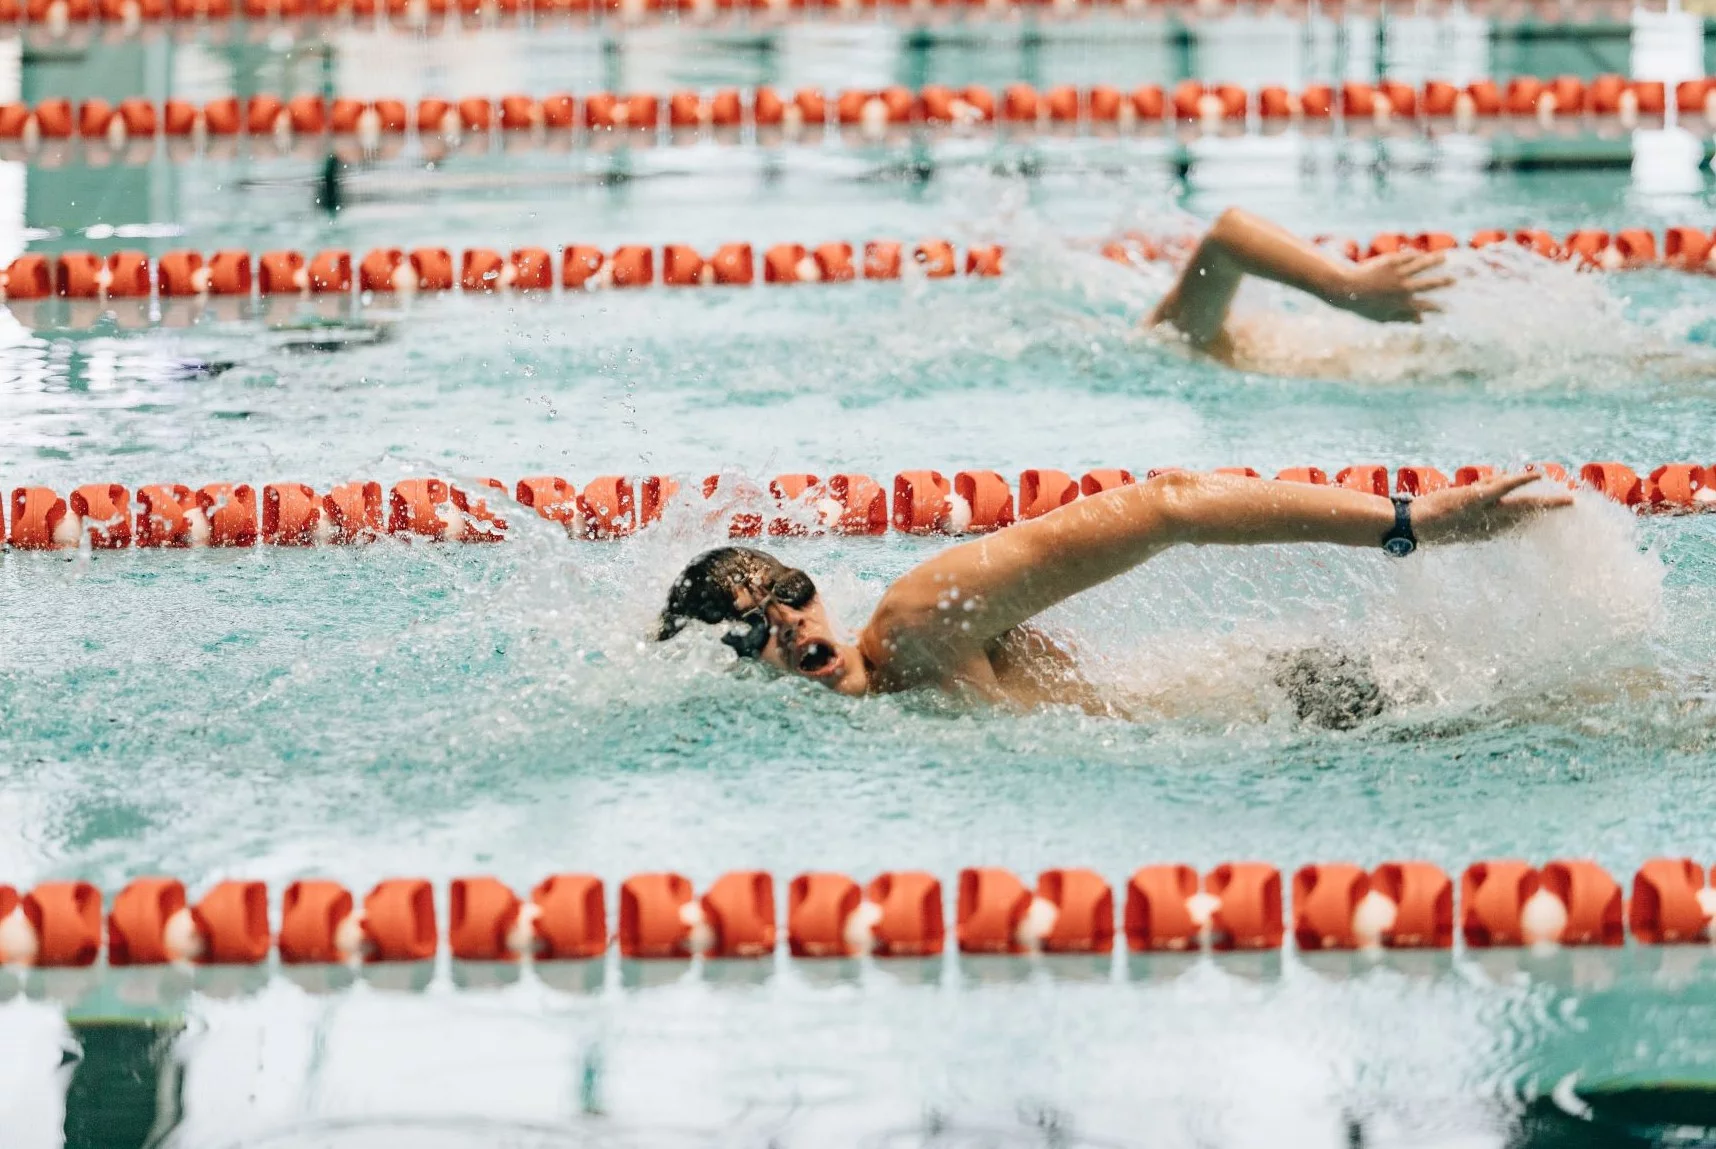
[(435, 711)]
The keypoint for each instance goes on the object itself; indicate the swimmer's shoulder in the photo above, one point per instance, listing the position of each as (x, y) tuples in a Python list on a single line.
[(901, 659), (890, 668)]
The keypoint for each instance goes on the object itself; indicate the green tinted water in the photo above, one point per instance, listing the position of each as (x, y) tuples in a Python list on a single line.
[(435, 711)]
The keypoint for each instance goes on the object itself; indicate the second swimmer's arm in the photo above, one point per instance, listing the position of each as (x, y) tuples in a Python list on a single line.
[(1388, 288), (945, 608)]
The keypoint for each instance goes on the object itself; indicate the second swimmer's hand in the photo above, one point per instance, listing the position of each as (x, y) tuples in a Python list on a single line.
[(1390, 288), (1482, 510)]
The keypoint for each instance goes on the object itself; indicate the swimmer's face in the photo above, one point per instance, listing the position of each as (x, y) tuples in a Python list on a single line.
[(802, 642)]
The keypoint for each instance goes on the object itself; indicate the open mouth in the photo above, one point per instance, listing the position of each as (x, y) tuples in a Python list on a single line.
[(816, 657)]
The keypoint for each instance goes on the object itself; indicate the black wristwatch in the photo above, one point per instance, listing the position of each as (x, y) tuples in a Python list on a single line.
[(1400, 541)]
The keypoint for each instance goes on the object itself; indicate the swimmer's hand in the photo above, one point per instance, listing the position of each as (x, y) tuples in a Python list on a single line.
[(1482, 510), (1391, 288)]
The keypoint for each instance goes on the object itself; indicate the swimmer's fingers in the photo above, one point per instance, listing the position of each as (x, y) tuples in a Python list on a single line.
[(1415, 263), (1498, 493), (1484, 509), (1492, 489), (1418, 286), (1498, 485), (1528, 505)]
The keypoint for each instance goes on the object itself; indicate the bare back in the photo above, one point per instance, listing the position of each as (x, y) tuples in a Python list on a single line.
[(1023, 668)]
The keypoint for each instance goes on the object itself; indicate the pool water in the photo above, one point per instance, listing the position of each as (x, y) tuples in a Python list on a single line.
[(429, 710)]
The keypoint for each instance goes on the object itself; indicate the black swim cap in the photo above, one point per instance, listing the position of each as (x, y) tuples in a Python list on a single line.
[(706, 589)]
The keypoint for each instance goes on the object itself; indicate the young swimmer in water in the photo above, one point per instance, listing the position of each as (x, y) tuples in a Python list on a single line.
[(1387, 289), (960, 622)]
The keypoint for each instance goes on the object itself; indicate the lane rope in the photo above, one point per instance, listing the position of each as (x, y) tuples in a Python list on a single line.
[(107, 516), (1501, 903), (233, 274), (128, 129), (133, 287)]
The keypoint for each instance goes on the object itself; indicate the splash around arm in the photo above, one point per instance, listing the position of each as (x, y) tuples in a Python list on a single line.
[(944, 612)]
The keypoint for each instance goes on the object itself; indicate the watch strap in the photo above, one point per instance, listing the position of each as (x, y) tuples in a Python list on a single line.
[(1400, 540)]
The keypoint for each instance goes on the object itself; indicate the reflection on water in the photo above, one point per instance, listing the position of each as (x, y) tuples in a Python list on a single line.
[(125, 1090), (1655, 1115), (1513, 1050)]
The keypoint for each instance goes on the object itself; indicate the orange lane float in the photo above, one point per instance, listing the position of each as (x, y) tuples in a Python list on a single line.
[(1071, 911), (796, 505), (1398, 905), (899, 914), (102, 514), (1512, 903), (566, 918), (317, 924), (399, 921), (660, 917), (441, 511), (617, 506), (1235, 906), (905, 915), (56, 924), (1041, 491), (1422, 480), (1672, 903), (321, 923), (151, 923)]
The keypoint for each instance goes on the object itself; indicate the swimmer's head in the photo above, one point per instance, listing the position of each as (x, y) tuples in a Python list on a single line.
[(771, 612)]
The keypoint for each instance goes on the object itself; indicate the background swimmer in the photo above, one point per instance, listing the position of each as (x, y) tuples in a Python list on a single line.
[(1387, 289), (960, 622)]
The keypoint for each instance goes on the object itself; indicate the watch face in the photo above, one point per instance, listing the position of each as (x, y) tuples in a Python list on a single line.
[(1399, 548)]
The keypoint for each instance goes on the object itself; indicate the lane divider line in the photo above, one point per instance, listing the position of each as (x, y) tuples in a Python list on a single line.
[(235, 274), (128, 284), (109, 516), (1497, 903), (127, 129)]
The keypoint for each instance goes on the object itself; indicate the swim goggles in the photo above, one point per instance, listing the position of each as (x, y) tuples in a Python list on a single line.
[(751, 630)]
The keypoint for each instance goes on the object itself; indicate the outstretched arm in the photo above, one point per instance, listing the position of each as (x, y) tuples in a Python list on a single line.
[(943, 610), (1389, 288)]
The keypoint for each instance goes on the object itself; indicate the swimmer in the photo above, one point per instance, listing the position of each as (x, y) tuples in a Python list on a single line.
[(1387, 289), (961, 621)]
